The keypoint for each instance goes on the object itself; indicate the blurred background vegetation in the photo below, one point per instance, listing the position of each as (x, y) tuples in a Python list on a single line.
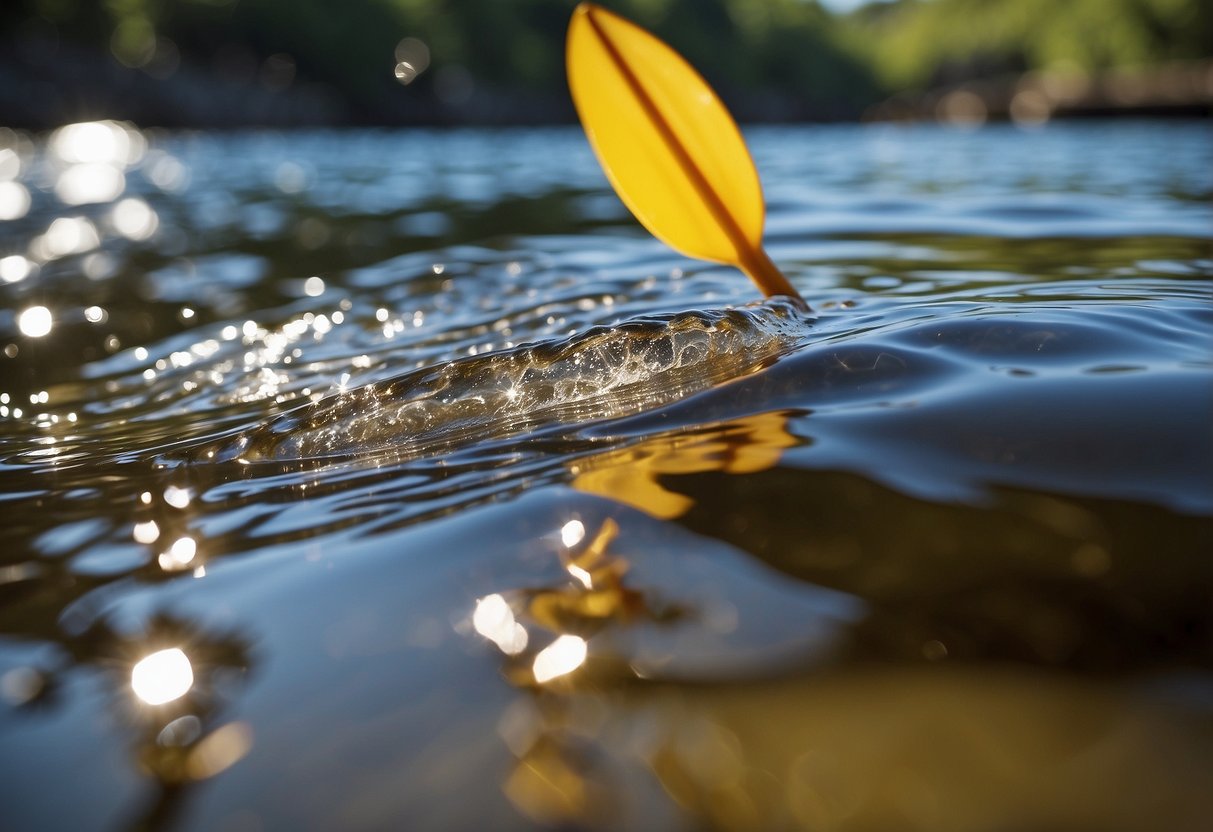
[(283, 62)]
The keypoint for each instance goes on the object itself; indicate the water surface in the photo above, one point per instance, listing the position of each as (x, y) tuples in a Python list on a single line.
[(368, 479)]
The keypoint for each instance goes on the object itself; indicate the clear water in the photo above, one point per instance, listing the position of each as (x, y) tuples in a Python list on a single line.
[(430, 492)]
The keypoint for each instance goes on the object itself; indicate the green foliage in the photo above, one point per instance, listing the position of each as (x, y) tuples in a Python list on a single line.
[(915, 43), (769, 58)]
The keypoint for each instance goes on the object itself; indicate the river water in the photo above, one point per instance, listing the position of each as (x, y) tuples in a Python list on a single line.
[(398, 479)]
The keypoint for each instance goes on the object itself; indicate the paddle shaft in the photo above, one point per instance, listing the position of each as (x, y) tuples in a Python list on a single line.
[(763, 271), (751, 260)]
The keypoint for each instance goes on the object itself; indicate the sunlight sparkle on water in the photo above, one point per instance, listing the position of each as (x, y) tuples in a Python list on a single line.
[(167, 172), (134, 219), (10, 163), (572, 533), (179, 555), (14, 268), (14, 201), (98, 142), (66, 235), (560, 658), (177, 497), (89, 183), (162, 677), (35, 322), (583, 577), (494, 620), (147, 532)]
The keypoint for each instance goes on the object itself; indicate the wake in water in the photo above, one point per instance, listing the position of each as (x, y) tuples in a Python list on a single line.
[(604, 373)]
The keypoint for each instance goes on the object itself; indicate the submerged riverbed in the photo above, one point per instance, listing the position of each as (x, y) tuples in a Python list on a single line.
[(398, 479)]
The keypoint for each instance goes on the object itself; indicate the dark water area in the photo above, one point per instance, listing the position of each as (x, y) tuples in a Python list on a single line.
[(383, 479)]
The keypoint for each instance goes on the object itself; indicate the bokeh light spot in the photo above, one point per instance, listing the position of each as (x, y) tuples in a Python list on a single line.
[(162, 677), (560, 658), (35, 322)]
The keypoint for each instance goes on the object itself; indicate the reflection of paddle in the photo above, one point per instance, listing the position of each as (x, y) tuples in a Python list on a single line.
[(668, 145), (642, 475)]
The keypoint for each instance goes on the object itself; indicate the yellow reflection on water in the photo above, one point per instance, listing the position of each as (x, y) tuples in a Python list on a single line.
[(162, 677), (881, 748), (220, 750), (582, 575), (548, 788), (632, 475)]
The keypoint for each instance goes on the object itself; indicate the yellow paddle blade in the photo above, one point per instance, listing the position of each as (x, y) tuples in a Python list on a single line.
[(668, 145)]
